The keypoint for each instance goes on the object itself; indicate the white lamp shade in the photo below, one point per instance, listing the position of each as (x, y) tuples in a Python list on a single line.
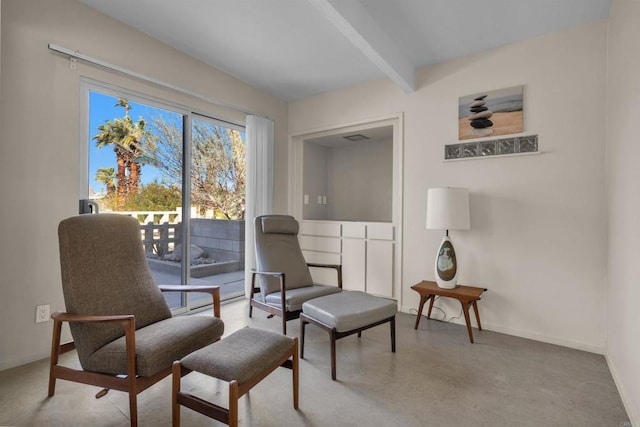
[(448, 209)]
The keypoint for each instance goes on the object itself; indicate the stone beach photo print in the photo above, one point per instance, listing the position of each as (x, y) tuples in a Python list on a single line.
[(497, 112)]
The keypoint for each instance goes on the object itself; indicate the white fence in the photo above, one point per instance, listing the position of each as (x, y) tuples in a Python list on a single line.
[(160, 229), (155, 217)]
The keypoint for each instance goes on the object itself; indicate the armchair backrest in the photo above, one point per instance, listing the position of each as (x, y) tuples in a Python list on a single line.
[(105, 272), (278, 250)]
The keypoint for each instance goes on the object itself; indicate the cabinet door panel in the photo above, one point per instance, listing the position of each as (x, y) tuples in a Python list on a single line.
[(321, 257), (380, 268), (321, 244), (380, 231), (320, 229), (353, 264), (354, 229)]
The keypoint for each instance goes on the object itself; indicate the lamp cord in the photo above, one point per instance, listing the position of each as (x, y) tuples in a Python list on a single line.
[(444, 314)]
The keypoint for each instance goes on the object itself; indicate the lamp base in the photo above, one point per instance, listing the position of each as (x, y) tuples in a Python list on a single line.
[(446, 266)]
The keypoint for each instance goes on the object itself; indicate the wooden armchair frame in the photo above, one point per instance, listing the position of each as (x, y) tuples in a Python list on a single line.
[(132, 384), (282, 312)]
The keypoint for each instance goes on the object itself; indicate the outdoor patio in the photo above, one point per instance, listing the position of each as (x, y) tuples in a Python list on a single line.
[(231, 286)]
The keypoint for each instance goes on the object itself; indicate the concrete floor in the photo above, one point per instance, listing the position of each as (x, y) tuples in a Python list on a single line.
[(436, 378)]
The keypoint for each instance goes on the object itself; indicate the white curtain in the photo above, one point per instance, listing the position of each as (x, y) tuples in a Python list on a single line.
[(259, 139)]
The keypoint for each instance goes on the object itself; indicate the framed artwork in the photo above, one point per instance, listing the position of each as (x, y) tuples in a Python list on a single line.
[(515, 145), (493, 113)]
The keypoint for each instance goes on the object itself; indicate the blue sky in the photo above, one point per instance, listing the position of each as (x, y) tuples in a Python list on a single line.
[(101, 109)]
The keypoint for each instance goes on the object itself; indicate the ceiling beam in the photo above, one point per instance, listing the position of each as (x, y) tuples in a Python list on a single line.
[(355, 23)]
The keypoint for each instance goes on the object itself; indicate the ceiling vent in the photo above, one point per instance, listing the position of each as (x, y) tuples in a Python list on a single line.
[(356, 137)]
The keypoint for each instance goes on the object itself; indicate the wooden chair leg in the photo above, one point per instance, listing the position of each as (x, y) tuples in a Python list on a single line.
[(302, 331), (55, 353), (233, 403), (175, 389), (295, 373), (133, 407), (284, 323)]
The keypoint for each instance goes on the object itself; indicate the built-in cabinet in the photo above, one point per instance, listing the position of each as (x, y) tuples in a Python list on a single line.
[(365, 251)]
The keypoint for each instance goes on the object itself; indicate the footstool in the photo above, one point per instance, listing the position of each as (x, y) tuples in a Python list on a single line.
[(242, 359), (347, 313)]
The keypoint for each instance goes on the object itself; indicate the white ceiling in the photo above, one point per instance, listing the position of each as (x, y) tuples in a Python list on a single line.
[(298, 48)]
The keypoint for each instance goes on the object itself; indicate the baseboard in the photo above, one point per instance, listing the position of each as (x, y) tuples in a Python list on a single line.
[(544, 338), (634, 417), (526, 334), (8, 364)]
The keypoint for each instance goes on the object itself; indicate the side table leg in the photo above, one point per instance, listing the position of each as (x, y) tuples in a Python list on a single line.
[(465, 309), (475, 309), (422, 300), (432, 298)]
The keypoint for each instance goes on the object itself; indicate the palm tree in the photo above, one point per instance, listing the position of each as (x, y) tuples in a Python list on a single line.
[(128, 140), (107, 177)]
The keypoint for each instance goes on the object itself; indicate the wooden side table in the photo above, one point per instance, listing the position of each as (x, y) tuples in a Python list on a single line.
[(467, 295)]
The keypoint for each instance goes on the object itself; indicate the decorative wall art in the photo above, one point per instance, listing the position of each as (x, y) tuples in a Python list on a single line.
[(493, 113), (487, 148)]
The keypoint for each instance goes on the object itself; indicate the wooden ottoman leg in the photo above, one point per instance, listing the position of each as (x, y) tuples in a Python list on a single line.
[(333, 353), (302, 330), (392, 326), (233, 403), (296, 378), (175, 406)]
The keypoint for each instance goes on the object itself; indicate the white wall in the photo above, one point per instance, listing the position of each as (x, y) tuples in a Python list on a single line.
[(623, 173), (315, 180), (538, 222), (360, 181), (356, 178), (39, 161)]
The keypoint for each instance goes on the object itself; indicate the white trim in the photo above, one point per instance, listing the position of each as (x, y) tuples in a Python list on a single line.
[(633, 412), (295, 196)]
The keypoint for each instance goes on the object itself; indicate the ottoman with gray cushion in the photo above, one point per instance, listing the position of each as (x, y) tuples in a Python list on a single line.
[(345, 314), (242, 359)]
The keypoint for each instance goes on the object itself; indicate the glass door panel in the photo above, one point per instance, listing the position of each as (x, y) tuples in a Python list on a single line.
[(218, 194), (135, 168)]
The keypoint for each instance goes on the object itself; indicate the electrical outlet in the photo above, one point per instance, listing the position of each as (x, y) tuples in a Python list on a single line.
[(43, 312)]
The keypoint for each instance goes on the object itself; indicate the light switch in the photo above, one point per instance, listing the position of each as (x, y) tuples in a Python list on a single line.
[(306, 199), (319, 200), (324, 200)]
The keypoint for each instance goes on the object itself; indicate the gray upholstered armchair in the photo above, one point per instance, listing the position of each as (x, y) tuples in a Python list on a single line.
[(122, 328), (285, 281)]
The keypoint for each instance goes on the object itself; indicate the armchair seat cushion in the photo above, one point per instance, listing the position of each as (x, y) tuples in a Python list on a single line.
[(296, 297), (158, 345)]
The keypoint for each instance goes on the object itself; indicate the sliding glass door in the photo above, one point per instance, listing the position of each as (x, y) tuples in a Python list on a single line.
[(181, 175)]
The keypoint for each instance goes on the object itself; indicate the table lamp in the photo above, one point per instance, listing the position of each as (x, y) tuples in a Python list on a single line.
[(447, 209)]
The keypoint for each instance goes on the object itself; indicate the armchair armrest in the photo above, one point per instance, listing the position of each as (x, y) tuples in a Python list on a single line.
[(214, 290), (128, 322), (85, 318), (268, 273), (337, 267), (278, 274)]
